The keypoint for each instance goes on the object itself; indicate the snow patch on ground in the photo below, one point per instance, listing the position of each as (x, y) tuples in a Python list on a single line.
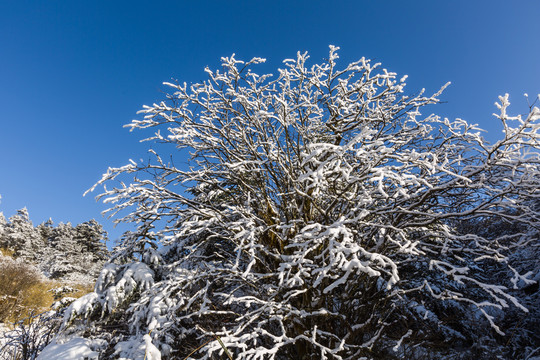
[(3, 329), (137, 349), (75, 349)]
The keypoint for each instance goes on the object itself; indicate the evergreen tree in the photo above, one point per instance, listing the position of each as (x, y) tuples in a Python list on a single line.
[(90, 236), (60, 252), (3, 225), (21, 237)]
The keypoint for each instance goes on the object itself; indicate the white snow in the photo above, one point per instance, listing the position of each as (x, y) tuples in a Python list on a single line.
[(75, 349), (137, 349)]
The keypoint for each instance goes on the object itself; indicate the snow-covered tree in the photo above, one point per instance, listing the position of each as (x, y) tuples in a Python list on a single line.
[(3, 225), (317, 218), (90, 236), (61, 252), (73, 253), (21, 237)]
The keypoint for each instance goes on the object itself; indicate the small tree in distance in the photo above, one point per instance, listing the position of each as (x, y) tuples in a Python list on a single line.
[(316, 219)]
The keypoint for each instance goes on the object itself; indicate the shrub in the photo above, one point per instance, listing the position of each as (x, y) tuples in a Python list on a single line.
[(24, 291), (20, 288), (30, 336), (315, 219)]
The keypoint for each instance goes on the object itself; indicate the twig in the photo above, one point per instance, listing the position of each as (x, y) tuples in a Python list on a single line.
[(223, 346)]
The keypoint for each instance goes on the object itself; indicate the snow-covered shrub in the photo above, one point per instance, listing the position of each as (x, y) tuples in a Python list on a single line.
[(30, 336), (520, 328), (317, 218), (115, 285)]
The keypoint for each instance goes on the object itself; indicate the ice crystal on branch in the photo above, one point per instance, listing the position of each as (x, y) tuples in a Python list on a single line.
[(317, 217)]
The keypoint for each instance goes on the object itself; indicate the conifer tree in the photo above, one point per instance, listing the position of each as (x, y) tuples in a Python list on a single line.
[(21, 237)]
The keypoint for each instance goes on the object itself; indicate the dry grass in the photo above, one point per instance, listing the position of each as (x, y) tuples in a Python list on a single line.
[(24, 291), (4, 251)]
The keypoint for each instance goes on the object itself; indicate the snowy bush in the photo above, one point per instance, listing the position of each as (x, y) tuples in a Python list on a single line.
[(317, 218), (29, 337)]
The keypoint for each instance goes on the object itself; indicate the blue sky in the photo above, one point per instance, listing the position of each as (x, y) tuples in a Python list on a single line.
[(72, 73)]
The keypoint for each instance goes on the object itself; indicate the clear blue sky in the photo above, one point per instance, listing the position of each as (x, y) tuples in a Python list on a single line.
[(72, 73)]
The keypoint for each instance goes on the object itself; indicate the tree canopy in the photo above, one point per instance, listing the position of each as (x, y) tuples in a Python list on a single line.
[(321, 215)]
